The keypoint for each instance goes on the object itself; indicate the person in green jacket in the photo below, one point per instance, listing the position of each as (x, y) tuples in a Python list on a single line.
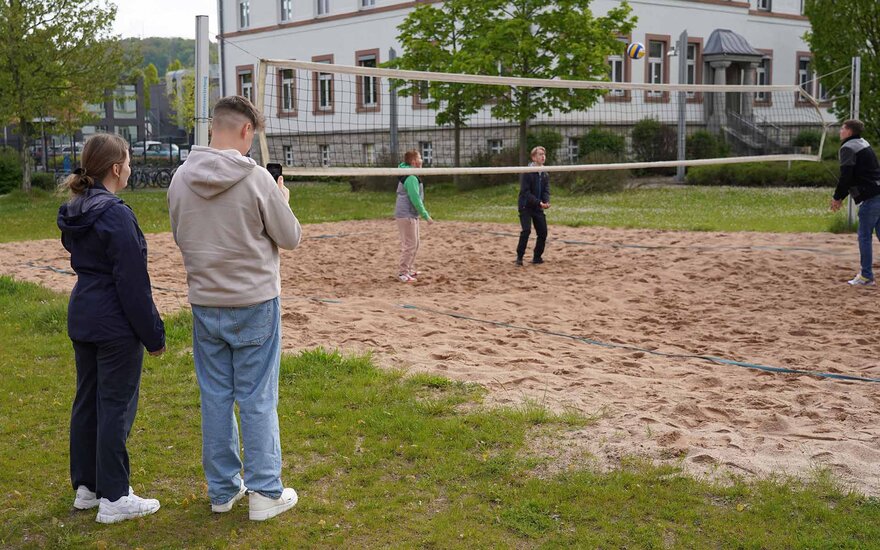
[(410, 205)]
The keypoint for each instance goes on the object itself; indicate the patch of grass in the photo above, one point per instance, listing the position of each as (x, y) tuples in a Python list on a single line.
[(379, 458), (688, 208)]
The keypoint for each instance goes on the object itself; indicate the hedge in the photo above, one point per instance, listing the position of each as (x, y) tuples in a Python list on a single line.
[(766, 174)]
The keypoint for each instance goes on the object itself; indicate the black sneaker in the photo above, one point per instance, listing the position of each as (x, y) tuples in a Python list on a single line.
[(537, 261), (519, 261)]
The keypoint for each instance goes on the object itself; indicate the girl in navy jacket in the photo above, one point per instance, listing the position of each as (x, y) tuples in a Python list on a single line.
[(111, 317)]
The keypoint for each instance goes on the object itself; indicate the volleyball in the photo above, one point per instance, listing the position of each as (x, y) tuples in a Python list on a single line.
[(636, 50)]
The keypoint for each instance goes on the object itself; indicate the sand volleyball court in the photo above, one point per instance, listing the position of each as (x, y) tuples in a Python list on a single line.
[(579, 331)]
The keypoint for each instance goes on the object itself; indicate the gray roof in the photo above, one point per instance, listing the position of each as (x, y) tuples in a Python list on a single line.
[(727, 42)]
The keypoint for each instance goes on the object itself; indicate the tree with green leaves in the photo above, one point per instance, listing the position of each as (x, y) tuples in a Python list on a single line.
[(438, 38), (55, 57), (540, 39), (151, 77), (841, 31), (175, 65), (182, 92)]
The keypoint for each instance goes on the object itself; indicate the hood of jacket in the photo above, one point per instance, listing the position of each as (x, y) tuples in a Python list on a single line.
[(213, 171), (79, 214)]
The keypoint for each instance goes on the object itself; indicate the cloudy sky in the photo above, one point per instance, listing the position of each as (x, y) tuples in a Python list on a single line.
[(144, 18)]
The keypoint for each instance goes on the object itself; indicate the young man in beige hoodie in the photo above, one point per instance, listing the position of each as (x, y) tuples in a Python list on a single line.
[(229, 218)]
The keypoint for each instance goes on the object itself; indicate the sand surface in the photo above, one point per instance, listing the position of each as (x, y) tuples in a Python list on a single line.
[(767, 299)]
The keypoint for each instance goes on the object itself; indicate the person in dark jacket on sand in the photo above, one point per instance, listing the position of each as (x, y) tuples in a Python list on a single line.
[(111, 318)]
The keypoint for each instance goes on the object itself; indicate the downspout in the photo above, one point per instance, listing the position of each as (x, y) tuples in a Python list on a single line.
[(221, 40)]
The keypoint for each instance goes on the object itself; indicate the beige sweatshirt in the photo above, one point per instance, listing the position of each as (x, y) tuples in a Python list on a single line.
[(229, 218)]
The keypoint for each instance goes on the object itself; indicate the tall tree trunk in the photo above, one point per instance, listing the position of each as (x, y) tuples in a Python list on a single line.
[(24, 155)]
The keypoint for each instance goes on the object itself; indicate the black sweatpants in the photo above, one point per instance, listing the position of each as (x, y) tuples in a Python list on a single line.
[(108, 377), (526, 219)]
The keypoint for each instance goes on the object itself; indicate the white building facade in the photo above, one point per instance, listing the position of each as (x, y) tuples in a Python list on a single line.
[(362, 32)]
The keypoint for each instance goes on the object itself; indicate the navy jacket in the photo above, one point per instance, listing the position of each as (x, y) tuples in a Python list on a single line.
[(859, 171), (112, 298), (534, 188)]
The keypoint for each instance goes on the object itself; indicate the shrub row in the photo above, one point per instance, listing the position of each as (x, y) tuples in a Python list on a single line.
[(766, 174)]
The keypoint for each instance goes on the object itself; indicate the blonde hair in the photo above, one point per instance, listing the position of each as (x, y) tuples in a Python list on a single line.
[(535, 151), (99, 154)]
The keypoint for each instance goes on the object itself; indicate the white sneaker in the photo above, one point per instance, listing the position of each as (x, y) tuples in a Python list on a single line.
[(860, 280), (227, 506), (128, 507), (86, 500), (406, 278), (263, 508)]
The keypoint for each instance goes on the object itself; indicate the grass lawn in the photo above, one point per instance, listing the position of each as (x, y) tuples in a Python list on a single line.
[(379, 459), (25, 217), (382, 459)]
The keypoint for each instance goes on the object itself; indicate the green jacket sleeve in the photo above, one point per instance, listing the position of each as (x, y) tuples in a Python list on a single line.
[(412, 190)]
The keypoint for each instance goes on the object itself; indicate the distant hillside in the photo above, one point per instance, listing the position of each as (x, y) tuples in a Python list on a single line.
[(162, 51)]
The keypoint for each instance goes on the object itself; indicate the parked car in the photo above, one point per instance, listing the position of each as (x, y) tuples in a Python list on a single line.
[(138, 147), (68, 149), (160, 151)]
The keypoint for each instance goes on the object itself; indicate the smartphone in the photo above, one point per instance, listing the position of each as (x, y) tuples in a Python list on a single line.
[(275, 169)]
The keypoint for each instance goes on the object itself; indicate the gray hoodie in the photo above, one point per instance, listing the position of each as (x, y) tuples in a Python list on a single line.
[(229, 218)]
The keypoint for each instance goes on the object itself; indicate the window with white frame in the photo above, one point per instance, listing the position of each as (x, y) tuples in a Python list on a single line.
[(288, 155), (369, 154), (423, 96), (288, 91), (692, 50), (246, 84), (764, 5), (325, 92), (369, 86), (496, 146), (286, 10), (574, 150), (616, 67), (804, 75), (762, 78), (821, 90), (323, 7), (325, 155), (426, 148), (368, 3), (656, 59), (244, 14)]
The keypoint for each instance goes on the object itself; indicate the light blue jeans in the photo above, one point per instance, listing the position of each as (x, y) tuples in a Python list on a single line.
[(237, 352), (869, 223)]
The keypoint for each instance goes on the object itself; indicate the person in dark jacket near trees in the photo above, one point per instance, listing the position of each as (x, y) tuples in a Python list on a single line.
[(860, 179), (534, 198), (110, 319)]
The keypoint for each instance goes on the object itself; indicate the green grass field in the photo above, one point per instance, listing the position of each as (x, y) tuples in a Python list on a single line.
[(25, 217), (381, 459)]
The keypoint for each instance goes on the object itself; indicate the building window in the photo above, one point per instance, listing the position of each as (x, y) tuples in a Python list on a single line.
[(656, 59), (244, 14), (804, 74), (288, 155), (615, 63), (286, 10), (619, 70), (369, 154), (574, 150), (764, 5), (802, 7), (657, 66), (323, 7), (422, 96), (691, 67), (287, 93), (322, 84), (426, 148), (245, 82), (496, 146), (368, 3), (325, 155), (368, 86), (763, 74), (125, 102)]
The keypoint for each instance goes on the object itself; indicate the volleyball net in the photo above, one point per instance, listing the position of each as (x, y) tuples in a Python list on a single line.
[(324, 119)]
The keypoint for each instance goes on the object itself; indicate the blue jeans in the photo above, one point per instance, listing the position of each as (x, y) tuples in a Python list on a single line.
[(237, 352), (869, 223)]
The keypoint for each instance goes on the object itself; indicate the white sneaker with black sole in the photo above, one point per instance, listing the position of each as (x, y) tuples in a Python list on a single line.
[(227, 506), (263, 508), (86, 500), (128, 507)]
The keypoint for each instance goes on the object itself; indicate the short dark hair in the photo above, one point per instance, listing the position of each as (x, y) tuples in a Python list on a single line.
[(410, 156), (855, 126), (242, 107)]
